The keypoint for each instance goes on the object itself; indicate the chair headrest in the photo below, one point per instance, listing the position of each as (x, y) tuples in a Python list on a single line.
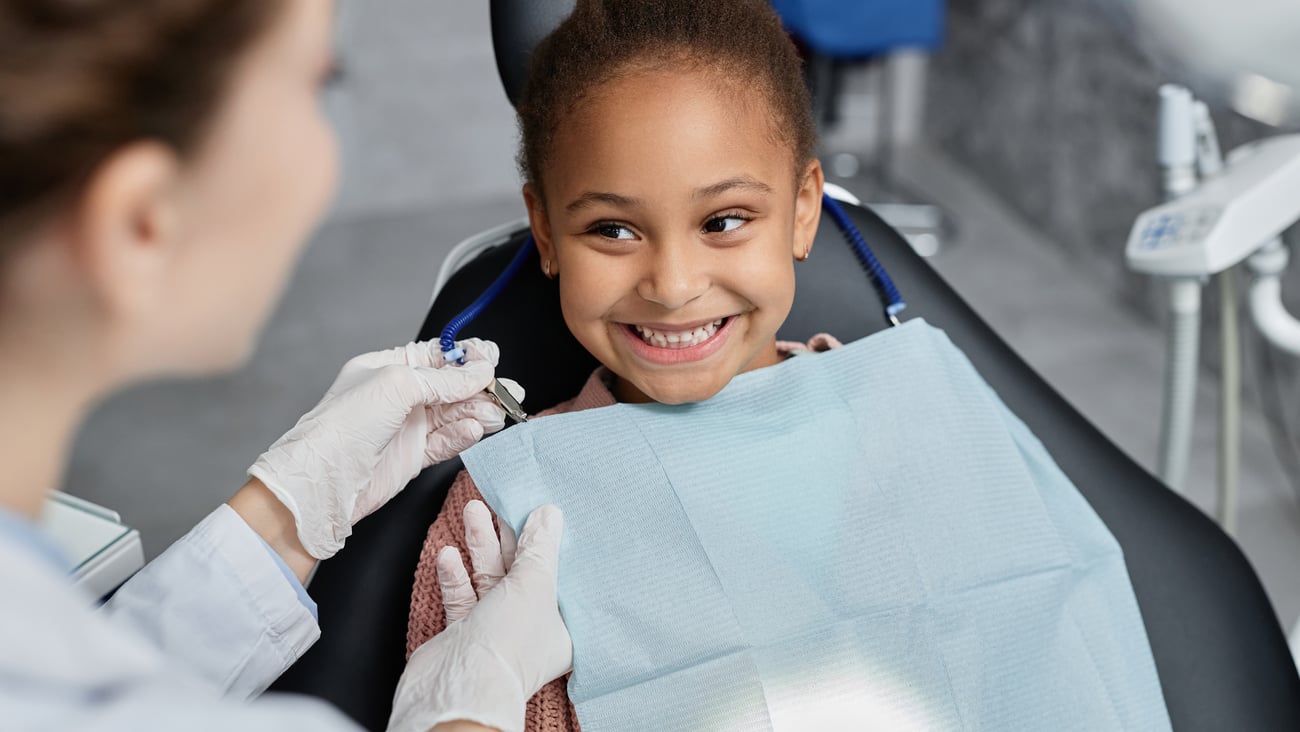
[(517, 27)]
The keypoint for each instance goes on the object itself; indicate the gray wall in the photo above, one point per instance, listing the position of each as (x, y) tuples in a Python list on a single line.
[(1052, 104), (421, 111)]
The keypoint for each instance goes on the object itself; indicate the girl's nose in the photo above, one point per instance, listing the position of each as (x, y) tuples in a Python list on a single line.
[(676, 274)]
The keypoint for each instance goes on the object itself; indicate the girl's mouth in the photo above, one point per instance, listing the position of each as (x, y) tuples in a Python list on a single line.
[(677, 339), (668, 345)]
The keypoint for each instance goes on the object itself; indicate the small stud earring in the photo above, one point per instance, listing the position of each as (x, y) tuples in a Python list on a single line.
[(546, 268), (804, 256)]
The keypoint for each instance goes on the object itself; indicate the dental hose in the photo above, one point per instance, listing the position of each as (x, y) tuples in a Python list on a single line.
[(450, 352), (885, 288), (1229, 403), (1180, 381), (888, 293)]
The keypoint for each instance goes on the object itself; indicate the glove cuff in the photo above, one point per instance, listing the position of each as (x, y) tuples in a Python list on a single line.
[(319, 546), (453, 678)]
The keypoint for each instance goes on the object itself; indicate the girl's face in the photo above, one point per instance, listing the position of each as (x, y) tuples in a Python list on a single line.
[(672, 216)]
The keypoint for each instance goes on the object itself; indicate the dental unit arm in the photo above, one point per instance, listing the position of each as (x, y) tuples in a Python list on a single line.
[(1235, 214), (1232, 215)]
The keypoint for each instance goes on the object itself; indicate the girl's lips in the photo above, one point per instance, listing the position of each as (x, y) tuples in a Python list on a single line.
[(675, 356)]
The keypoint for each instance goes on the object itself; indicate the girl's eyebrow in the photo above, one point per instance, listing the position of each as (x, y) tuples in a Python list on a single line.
[(592, 197), (742, 182)]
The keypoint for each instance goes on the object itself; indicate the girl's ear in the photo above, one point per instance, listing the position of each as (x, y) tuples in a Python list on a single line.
[(541, 226), (808, 209)]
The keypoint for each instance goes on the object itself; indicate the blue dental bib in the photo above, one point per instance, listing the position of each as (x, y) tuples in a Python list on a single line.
[(862, 539)]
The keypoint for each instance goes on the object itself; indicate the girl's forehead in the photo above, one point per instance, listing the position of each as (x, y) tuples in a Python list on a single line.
[(681, 124)]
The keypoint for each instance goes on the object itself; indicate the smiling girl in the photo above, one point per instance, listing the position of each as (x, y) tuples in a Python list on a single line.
[(667, 147)]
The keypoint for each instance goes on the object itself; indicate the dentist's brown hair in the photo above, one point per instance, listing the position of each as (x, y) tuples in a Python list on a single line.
[(80, 79)]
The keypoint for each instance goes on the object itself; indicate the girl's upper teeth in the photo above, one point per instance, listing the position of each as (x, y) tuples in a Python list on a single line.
[(678, 338)]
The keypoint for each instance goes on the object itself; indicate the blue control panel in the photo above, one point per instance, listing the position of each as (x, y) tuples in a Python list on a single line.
[(1166, 231)]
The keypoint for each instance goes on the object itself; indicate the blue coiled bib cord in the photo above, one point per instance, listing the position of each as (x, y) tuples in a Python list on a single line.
[(885, 289), (450, 352)]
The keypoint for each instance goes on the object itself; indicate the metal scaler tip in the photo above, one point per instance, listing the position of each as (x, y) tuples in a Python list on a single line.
[(502, 395)]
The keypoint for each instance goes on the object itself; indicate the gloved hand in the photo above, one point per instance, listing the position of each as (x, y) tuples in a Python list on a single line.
[(389, 415), (500, 648), (489, 556)]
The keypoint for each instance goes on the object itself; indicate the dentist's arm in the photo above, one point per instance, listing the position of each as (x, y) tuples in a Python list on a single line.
[(505, 640), (226, 601), (389, 415)]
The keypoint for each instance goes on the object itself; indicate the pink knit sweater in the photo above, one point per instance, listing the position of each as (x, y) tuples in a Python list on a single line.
[(549, 710)]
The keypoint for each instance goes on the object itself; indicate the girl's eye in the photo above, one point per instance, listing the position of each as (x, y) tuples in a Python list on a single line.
[(723, 224), (613, 231)]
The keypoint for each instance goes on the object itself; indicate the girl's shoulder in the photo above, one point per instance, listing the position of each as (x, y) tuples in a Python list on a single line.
[(817, 344), (595, 393)]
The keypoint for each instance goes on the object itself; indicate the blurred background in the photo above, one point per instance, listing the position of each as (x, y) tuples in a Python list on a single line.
[(1013, 139)]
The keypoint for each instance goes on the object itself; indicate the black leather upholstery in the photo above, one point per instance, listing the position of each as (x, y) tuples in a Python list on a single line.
[(517, 26), (1220, 653)]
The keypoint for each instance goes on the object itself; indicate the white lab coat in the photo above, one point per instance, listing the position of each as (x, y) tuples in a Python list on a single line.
[(188, 644)]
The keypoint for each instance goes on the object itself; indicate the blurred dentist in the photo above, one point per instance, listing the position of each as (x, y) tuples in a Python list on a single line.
[(161, 164)]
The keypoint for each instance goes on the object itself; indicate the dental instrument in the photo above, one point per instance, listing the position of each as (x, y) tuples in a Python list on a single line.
[(890, 298), (502, 396)]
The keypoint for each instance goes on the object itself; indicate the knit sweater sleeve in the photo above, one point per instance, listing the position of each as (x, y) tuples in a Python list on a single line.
[(549, 710), (427, 617)]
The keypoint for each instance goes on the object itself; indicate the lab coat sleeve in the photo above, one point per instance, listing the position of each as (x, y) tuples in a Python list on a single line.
[(161, 710), (218, 605)]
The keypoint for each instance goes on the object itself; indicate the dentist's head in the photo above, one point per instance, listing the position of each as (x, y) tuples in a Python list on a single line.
[(161, 164)]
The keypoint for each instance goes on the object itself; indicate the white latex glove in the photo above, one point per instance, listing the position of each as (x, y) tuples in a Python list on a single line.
[(489, 556), (389, 415), (501, 648)]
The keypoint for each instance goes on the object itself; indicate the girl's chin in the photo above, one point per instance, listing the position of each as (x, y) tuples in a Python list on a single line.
[(667, 390)]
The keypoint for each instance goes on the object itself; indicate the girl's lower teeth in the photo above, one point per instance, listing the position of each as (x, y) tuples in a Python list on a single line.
[(679, 340)]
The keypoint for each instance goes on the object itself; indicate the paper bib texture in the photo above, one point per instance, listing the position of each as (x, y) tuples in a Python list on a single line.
[(862, 539)]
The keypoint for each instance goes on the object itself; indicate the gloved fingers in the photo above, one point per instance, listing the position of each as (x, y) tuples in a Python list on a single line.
[(455, 383), (535, 571), (477, 349), (447, 442), (487, 567), (379, 359), (429, 353), (508, 545), (538, 551), (458, 597), (481, 408)]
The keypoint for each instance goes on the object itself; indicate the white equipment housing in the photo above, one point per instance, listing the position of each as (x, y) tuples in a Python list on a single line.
[(1251, 201)]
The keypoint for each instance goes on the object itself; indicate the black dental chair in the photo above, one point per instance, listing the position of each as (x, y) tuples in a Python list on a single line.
[(1220, 653)]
